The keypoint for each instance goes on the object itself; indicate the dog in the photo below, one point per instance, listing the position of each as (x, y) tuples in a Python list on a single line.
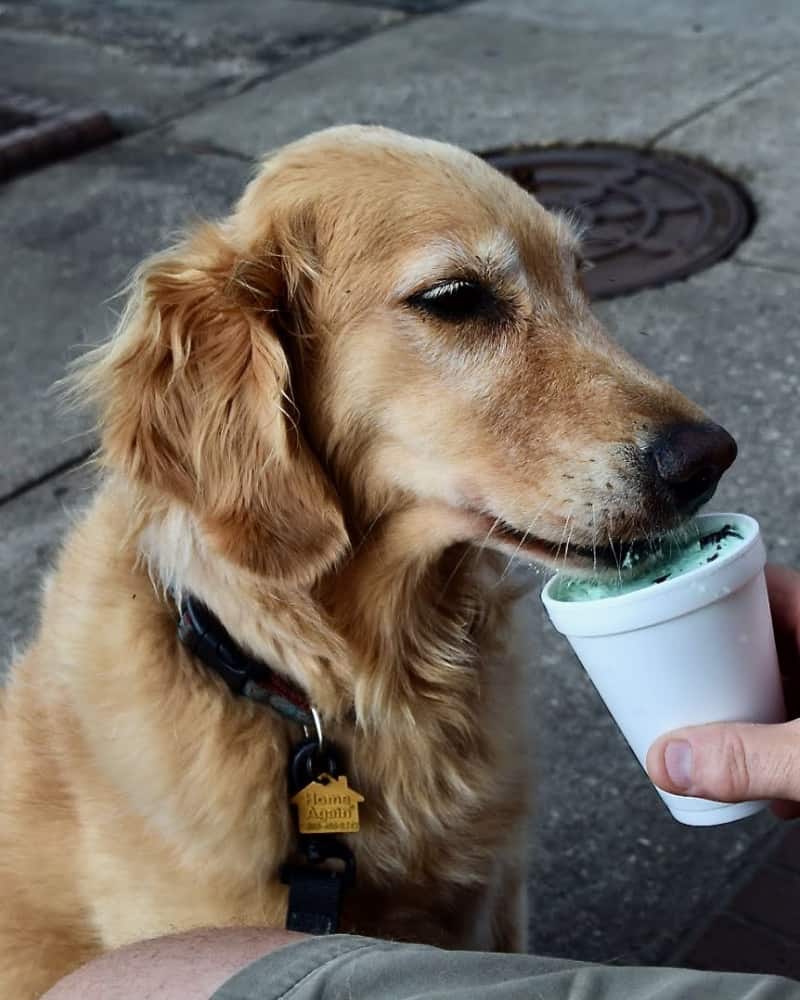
[(327, 422)]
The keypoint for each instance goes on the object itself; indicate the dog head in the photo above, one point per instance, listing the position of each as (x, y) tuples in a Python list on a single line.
[(383, 323)]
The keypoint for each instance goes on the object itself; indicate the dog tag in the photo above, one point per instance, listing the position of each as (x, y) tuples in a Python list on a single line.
[(327, 805)]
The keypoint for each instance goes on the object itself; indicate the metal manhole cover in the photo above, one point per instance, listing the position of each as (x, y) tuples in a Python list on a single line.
[(34, 131), (650, 218)]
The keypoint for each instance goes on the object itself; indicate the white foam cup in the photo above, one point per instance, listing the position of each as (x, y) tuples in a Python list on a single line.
[(697, 648)]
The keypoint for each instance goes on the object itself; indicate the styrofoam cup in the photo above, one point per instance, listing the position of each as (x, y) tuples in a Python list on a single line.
[(696, 648)]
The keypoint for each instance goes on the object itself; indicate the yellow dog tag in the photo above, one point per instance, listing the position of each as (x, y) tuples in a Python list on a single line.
[(327, 805)]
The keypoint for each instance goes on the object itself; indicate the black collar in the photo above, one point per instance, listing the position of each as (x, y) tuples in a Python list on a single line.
[(203, 633), (315, 891)]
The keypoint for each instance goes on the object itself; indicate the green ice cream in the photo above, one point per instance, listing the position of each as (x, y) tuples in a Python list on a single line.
[(655, 568)]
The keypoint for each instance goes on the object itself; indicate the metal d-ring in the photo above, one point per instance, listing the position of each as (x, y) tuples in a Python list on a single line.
[(317, 726)]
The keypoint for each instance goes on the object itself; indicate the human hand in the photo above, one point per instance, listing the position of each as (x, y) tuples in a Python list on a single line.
[(737, 761)]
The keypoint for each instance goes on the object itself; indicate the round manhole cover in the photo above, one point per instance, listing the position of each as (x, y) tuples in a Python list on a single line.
[(649, 218)]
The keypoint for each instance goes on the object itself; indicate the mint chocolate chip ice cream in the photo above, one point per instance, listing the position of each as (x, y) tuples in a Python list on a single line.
[(667, 561)]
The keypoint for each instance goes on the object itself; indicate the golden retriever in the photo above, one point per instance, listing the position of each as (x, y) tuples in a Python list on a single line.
[(324, 417)]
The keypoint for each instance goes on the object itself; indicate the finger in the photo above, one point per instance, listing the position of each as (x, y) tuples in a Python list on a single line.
[(729, 761)]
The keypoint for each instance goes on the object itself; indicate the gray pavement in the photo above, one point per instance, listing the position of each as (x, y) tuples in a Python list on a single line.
[(675, 18), (484, 80), (148, 61), (203, 87), (78, 229)]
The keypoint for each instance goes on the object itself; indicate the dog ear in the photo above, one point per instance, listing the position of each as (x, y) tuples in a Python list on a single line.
[(195, 401)]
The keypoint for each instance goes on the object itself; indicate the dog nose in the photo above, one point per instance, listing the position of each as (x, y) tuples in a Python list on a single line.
[(689, 459)]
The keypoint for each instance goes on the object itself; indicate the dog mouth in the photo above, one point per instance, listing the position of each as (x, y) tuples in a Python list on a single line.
[(565, 554)]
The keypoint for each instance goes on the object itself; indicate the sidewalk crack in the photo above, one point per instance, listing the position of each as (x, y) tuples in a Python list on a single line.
[(718, 102), (31, 484), (761, 265)]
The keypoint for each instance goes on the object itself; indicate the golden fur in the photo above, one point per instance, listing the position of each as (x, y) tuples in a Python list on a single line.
[(288, 434)]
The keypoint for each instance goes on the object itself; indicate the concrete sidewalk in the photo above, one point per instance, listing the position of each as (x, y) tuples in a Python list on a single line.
[(201, 88)]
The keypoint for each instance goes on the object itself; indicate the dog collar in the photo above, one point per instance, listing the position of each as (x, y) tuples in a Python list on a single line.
[(205, 635), (315, 891)]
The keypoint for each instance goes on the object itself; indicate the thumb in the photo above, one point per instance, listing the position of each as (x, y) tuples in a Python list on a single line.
[(729, 761)]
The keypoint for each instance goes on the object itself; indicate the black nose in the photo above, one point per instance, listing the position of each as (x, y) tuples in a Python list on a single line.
[(689, 459)]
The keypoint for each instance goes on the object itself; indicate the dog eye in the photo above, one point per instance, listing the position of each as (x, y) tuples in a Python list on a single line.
[(455, 300)]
